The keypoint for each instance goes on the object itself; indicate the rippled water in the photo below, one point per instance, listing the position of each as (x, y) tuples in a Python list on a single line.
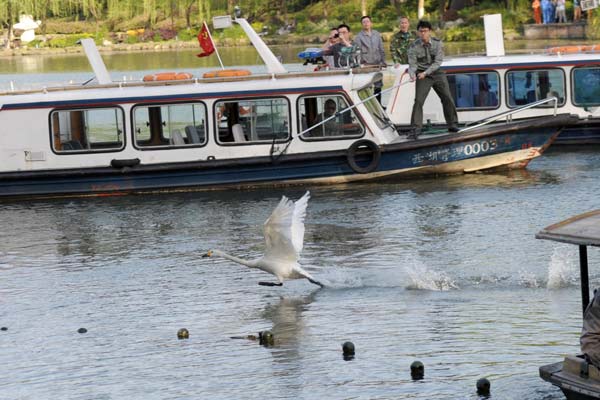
[(446, 271)]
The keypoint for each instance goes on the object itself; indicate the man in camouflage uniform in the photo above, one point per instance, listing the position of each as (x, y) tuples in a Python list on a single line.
[(401, 41), (425, 56)]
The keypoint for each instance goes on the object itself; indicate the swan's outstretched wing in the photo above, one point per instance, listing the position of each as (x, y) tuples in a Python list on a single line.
[(284, 229)]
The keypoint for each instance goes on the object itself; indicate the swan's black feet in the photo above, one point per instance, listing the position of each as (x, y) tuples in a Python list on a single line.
[(315, 282), (270, 284)]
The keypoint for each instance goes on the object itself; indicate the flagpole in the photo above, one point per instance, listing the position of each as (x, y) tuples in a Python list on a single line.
[(213, 42)]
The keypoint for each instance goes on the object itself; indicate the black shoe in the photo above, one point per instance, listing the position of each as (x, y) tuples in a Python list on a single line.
[(453, 129)]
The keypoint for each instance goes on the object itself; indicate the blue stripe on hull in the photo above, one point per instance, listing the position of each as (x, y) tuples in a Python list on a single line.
[(396, 158), (586, 134)]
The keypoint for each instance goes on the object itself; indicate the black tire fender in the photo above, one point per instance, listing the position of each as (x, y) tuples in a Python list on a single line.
[(362, 145)]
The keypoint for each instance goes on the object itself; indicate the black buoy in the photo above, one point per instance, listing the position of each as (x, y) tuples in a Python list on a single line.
[(483, 387), (3, 328), (266, 338), (417, 370), (348, 350), (82, 330), (183, 334)]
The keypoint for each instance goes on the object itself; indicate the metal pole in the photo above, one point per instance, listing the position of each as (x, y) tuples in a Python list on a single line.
[(213, 42), (585, 284)]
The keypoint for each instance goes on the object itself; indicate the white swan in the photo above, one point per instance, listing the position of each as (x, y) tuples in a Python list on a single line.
[(284, 237)]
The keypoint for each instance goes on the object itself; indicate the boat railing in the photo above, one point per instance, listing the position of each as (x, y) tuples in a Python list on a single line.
[(509, 114)]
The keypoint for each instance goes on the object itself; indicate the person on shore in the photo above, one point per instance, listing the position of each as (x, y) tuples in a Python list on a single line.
[(334, 37), (425, 56), (576, 11), (401, 40), (370, 44), (561, 15), (537, 11), (344, 50), (547, 11)]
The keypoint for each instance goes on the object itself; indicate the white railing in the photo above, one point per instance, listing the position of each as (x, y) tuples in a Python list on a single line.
[(509, 114)]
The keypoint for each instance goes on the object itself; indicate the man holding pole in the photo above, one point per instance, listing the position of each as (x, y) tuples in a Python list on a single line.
[(425, 56)]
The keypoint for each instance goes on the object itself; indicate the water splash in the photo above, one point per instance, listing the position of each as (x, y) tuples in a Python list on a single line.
[(423, 278), (562, 271), (528, 279), (339, 278)]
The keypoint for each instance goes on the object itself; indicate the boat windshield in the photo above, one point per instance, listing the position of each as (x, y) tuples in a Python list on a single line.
[(374, 108)]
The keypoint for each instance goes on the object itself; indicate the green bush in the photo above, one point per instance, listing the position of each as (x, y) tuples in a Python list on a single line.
[(593, 27), (187, 34), (62, 26), (131, 39), (462, 33)]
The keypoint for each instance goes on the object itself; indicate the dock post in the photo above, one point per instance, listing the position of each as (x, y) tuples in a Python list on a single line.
[(585, 283)]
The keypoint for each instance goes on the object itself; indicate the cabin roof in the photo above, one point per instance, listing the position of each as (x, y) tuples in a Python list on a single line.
[(352, 79), (583, 229), (525, 60)]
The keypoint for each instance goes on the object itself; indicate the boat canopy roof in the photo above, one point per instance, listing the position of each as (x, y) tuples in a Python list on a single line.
[(583, 230)]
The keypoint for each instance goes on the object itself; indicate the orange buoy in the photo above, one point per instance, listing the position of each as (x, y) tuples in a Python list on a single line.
[(168, 76), (592, 48), (226, 73)]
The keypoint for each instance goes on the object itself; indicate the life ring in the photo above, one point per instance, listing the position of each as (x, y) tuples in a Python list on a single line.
[(168, 76), (226, 73), (359, 145), (592, 48)]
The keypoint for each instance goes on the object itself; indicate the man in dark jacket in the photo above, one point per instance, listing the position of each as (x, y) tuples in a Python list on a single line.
[(425, 56)]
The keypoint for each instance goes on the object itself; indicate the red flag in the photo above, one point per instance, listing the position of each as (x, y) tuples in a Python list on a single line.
[(206, 43)]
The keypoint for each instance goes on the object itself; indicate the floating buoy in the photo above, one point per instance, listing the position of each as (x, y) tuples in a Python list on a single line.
[(168, 76), (266, 338), (82, 330), (183, 334), (226, 73), (483, 387), (3, 328), (417, 370), (348, 350)]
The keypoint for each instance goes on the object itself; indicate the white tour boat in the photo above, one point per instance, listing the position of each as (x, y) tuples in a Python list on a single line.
[(231, 129)]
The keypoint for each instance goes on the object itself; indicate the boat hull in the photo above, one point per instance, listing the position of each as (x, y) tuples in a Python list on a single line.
[(584, 132), (501, 146)]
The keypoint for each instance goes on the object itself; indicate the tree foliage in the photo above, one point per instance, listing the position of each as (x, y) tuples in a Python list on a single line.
[(307, 15)]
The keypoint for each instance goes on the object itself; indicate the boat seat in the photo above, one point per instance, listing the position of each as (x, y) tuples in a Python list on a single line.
[(72, 145), (238, 133), (177, 138), (192, 134)]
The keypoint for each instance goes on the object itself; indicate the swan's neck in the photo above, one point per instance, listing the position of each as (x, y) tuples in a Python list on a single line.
[(247, 263)]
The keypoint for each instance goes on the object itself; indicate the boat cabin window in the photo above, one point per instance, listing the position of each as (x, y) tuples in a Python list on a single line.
[(476, 90), (93, 129), (373, 107), (526, 87), (252, 121), (586, 86), (313, 110), (170, 125)]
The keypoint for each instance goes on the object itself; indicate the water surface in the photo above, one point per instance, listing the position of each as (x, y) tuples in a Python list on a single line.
[(445, 270)]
